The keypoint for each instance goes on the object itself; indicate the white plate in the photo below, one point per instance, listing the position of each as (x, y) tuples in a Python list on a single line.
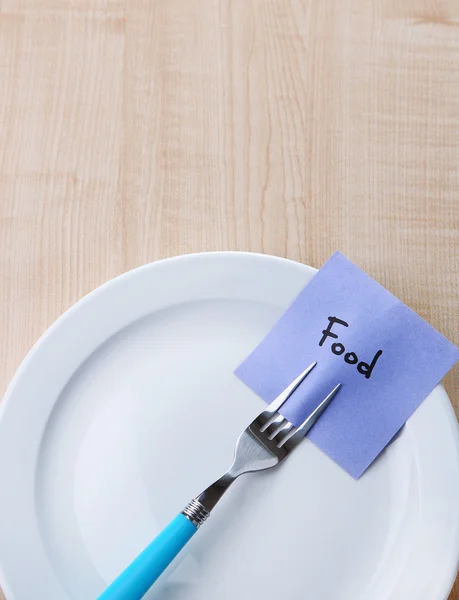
[(127, 407)]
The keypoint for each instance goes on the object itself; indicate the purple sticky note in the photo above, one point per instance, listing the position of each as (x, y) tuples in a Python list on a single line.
[(387, 358)]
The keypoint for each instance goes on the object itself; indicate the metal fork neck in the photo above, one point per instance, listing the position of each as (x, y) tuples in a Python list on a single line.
[(210, 496), (198, 510)]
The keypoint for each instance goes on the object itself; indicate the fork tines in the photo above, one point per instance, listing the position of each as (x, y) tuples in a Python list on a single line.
[(278, 428)]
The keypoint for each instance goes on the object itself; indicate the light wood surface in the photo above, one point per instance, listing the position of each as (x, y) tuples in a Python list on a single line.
[(134, 130)]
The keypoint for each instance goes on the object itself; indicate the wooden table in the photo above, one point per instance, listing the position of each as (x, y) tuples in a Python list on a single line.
[(138, 129)]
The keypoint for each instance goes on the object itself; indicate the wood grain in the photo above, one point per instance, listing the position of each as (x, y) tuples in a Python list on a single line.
[(134, 130)]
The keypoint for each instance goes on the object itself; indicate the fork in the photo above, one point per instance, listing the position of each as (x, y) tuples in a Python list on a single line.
[(264, 444)]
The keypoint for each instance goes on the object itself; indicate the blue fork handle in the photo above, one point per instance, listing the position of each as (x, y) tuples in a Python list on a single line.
[(135, 581)]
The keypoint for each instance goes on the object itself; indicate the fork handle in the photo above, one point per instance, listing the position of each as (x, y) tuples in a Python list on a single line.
[(135, 581)]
